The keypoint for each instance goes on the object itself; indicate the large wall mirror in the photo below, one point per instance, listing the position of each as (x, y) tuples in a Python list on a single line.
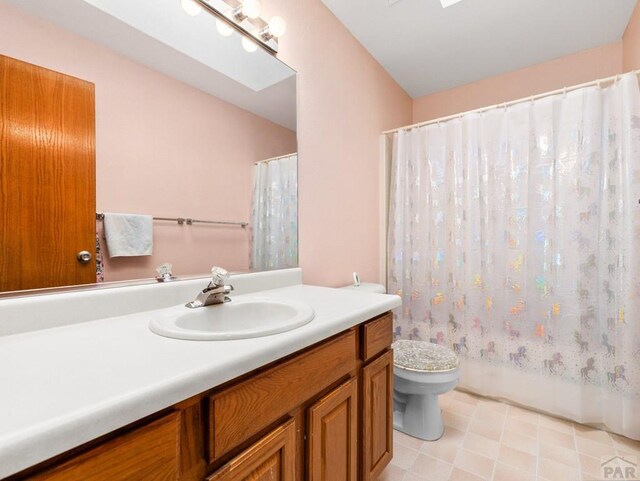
[(132, 135)]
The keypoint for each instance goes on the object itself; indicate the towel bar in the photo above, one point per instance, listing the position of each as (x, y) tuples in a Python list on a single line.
[(188, 220)]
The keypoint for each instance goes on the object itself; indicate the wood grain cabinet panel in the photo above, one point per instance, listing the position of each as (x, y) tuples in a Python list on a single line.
[(377, 336), (377, 416), (238, 413), (150, 453), (273, 458), (333, 435)]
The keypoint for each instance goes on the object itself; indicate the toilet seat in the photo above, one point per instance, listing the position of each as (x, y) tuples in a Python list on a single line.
[(423, 356)]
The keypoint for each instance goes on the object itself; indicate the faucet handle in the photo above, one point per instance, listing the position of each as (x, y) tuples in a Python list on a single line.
[(219, 276)]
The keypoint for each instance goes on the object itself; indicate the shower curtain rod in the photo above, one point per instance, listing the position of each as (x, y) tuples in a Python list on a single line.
[(512, 102), (275, 158)]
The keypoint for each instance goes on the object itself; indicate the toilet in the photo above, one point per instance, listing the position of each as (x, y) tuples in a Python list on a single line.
[(422, 372)]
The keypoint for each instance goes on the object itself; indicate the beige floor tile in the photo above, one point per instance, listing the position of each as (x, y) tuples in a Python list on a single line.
[(520, 442), (431, 468), (556, 424), (523, 414), (508, 473), (486, 429), (494, 405), (403, 457), (442, 449), (474, 463), (593, 434), (590, 465), (460, 475), (559, 454), (456, 420), (546, 435), (392, 473), (518, 459), (413, 477), (481, 445), (465, 397), (408, 441), (555, 471), (487, 440), (462, 407), (522, 427), (488, 415), (593, 448), (452, 435)]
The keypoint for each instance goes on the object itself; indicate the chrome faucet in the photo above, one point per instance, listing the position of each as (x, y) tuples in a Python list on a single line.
[(216, 292)]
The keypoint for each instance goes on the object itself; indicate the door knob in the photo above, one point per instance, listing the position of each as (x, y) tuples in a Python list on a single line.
[(84, 257)]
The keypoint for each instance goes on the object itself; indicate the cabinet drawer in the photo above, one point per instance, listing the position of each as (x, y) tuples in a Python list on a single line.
[(272, 458), (377, 335), (238, 413), (147, 453)]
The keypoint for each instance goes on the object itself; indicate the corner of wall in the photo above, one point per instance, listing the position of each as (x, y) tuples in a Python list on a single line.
[(631, 42)]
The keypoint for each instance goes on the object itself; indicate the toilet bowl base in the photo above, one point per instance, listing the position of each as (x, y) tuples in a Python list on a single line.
[(419, 416)]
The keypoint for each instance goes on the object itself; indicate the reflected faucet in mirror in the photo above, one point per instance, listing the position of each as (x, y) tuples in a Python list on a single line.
[(216, 292)]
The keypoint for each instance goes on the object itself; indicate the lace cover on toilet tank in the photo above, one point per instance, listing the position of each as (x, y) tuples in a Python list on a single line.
[(424, 356)]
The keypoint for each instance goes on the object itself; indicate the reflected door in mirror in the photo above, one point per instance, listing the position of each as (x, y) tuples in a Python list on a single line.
[(47, 178)]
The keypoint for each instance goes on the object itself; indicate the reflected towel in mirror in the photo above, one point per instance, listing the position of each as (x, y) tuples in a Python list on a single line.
[(128, 235)]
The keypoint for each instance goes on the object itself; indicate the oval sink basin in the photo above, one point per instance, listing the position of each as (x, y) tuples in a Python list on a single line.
[(238, 319)]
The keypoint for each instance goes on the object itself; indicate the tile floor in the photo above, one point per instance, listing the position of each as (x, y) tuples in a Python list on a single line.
[(486, 440)]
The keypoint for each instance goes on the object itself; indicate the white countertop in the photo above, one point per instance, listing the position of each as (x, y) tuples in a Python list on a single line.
[(64, 386)]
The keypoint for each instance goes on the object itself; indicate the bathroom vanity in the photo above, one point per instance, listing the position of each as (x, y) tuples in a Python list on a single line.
[(313, 403)]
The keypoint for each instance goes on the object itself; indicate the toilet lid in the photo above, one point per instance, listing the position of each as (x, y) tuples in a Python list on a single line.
[(424, 356)]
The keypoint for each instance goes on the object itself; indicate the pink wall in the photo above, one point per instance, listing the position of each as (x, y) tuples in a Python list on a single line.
[(632, 42), (345, 99), (163, 148), (566, 71)]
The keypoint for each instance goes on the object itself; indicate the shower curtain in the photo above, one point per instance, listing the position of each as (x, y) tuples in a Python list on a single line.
[(274, 216), (514, 239)]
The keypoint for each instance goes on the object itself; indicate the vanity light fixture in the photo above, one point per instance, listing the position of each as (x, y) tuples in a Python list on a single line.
[(448, 3), (243, 16), (249, 45), (191, 7), (223, 28)]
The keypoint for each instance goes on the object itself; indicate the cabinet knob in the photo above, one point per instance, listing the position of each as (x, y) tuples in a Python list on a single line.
[(84, 257)]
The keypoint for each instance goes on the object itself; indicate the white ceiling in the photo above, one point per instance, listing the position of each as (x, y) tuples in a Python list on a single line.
[(427, 48), (160, 35)]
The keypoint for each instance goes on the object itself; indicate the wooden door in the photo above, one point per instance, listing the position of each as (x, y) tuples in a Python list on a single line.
[(273, 458), (333, 435), (377, 417), (47, 177)]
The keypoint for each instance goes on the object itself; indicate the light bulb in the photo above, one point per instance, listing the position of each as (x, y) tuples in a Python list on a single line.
[(223, 28), (192, 7), (249, 45), (277, 26), (251, 8)]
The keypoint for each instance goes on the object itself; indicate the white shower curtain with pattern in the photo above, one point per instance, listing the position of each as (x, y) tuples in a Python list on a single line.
[(514, 238), (274, 217)]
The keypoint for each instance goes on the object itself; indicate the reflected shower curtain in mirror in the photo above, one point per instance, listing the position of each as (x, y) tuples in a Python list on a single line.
[(274, 217), (514, 239)]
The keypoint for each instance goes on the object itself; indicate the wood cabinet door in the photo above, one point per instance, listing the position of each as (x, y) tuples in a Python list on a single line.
[(47, 177), (333, 435), (273, 458), (377, 417)]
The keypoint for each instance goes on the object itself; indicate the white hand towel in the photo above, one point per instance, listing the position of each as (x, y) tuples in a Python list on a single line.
[(128, 235)]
